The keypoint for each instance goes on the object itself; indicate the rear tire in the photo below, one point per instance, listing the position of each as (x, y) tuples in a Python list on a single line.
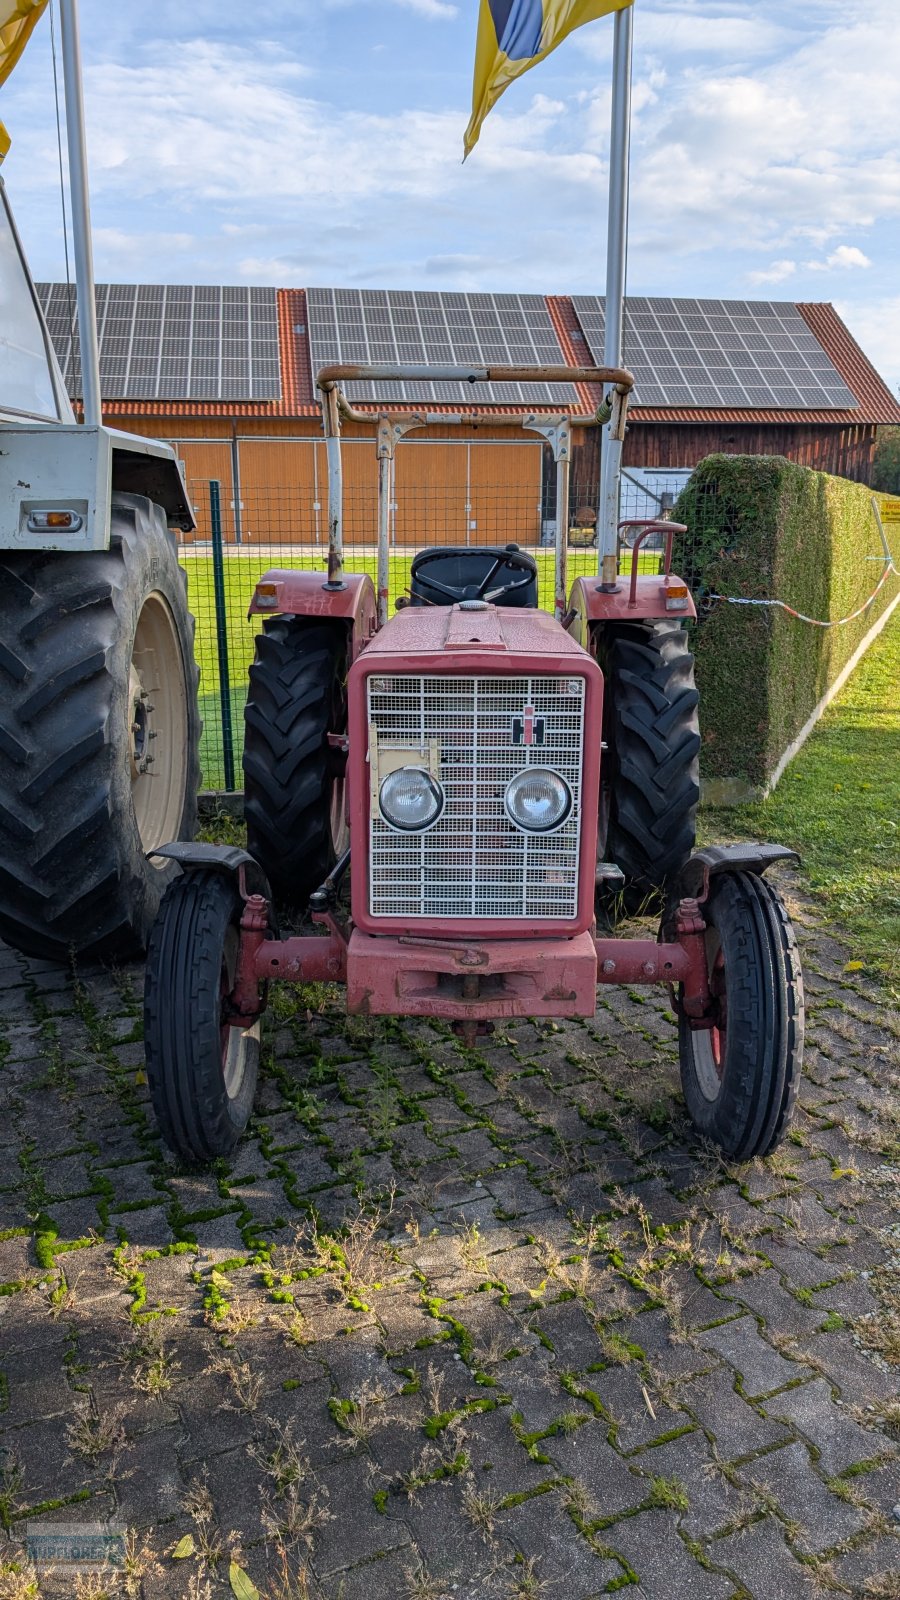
[(201, 1070), (99, 737), (740, 1078), (293, 779), (650, 773)]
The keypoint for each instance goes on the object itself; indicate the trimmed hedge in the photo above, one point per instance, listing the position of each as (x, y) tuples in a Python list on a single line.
[(764, 527)]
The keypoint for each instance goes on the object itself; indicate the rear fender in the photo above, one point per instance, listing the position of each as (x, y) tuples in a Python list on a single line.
[(282, 592), (589, 604)]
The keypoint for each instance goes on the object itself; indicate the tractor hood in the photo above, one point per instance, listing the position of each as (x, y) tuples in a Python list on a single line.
[(474, 629)]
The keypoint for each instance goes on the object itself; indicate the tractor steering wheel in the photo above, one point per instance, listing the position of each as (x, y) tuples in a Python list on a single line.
[(473, 591)]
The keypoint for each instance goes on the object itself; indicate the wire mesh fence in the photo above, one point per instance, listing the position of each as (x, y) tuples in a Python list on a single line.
[(238, 538)]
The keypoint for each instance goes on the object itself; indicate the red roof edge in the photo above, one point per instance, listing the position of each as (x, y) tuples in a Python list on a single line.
[(293, 337), (876, 403), (574, 345)]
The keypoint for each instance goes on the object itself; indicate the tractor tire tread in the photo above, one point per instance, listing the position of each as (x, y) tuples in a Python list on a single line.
[(73, 875)]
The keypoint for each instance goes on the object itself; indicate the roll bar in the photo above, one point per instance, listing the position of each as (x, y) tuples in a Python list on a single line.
[(548, 420)]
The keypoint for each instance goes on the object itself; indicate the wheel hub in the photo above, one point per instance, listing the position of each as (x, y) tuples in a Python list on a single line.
[(157, 718), (710, 1040)]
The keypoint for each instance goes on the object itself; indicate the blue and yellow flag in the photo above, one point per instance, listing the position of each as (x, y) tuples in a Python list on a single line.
[(514, 35), (17, 18)]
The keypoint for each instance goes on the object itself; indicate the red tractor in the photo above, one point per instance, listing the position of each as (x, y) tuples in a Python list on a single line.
[(497, 769)]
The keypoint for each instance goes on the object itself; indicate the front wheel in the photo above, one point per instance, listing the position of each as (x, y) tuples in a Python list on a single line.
[(740, 1077), (201, 1068)]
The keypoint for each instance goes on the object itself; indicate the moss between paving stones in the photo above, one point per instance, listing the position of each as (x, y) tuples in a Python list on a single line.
[(762, 527)]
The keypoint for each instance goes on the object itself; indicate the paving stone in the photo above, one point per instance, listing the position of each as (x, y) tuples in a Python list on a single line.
[(575, 1343), (542, 1531), (841, 1442), (765, 1295), (653, 1332), (450, 1547), (712, 1501), (357, 1531), (736, 1427), (881, 1488), (383, 1577), (622, 1392), (586, 1456), (854, 1375), (761, 1368), (878, 1559), (760, 1558), (36, 1386), (788, 1474), (665, 1567)]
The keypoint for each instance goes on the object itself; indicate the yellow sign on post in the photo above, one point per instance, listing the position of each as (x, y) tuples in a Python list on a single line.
[(514, 35)]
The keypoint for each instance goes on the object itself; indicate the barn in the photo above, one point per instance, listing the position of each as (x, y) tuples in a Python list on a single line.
[(226, 373)]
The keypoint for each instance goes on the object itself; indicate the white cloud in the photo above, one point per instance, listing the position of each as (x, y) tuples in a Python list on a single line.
[(844, 257), (434, 9), (776, 272), (693, 32)]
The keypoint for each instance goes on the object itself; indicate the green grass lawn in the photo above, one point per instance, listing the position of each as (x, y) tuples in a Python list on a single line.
[(242, 569), (838, 804)]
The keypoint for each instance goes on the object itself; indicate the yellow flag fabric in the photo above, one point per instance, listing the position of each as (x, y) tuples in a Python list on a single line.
[(514, 35), (17, 19)]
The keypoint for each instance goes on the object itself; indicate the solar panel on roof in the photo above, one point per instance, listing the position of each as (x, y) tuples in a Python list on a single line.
[(173, 341), (738, 353), (409, 326)]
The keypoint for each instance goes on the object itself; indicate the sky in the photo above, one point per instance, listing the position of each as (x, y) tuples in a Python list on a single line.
[(319, 142)]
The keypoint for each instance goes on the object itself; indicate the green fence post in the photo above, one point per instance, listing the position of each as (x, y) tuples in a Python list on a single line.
[(215, 517)]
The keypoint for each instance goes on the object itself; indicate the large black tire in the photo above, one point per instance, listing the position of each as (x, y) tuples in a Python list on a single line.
[(201, 1070), (650, 773), (93, 772), (293, 779), (740, 1078)]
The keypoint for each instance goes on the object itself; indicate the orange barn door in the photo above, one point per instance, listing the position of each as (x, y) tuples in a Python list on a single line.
[(505, 493)]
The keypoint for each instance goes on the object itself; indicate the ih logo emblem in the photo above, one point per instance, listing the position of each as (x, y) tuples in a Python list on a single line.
[(528, 728)]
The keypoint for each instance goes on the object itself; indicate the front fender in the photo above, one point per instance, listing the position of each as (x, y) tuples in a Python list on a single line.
[(693, 879), (229, 859)]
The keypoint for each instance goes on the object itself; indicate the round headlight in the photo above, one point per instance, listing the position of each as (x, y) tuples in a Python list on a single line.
[(410, 799), (537, 800)]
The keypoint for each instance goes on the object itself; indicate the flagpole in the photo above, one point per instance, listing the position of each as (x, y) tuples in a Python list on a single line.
[(616, 245), (81, 213)]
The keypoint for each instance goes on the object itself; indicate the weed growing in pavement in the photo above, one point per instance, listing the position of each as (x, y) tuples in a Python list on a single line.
[(197, 1503), (294, 1519), (524, 1583), (246, 1385), (418, 1585), (18, 1581), (139, 1566), (360, 1414), (482, 1510), (153, 1367), (282, 1457), (91, 1436), (288, 1584)]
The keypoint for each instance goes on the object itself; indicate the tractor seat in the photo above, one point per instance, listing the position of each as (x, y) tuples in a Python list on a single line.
[(504, 575)]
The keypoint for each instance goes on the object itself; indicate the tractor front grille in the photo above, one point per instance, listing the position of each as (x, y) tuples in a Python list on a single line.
[(474, 862)]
